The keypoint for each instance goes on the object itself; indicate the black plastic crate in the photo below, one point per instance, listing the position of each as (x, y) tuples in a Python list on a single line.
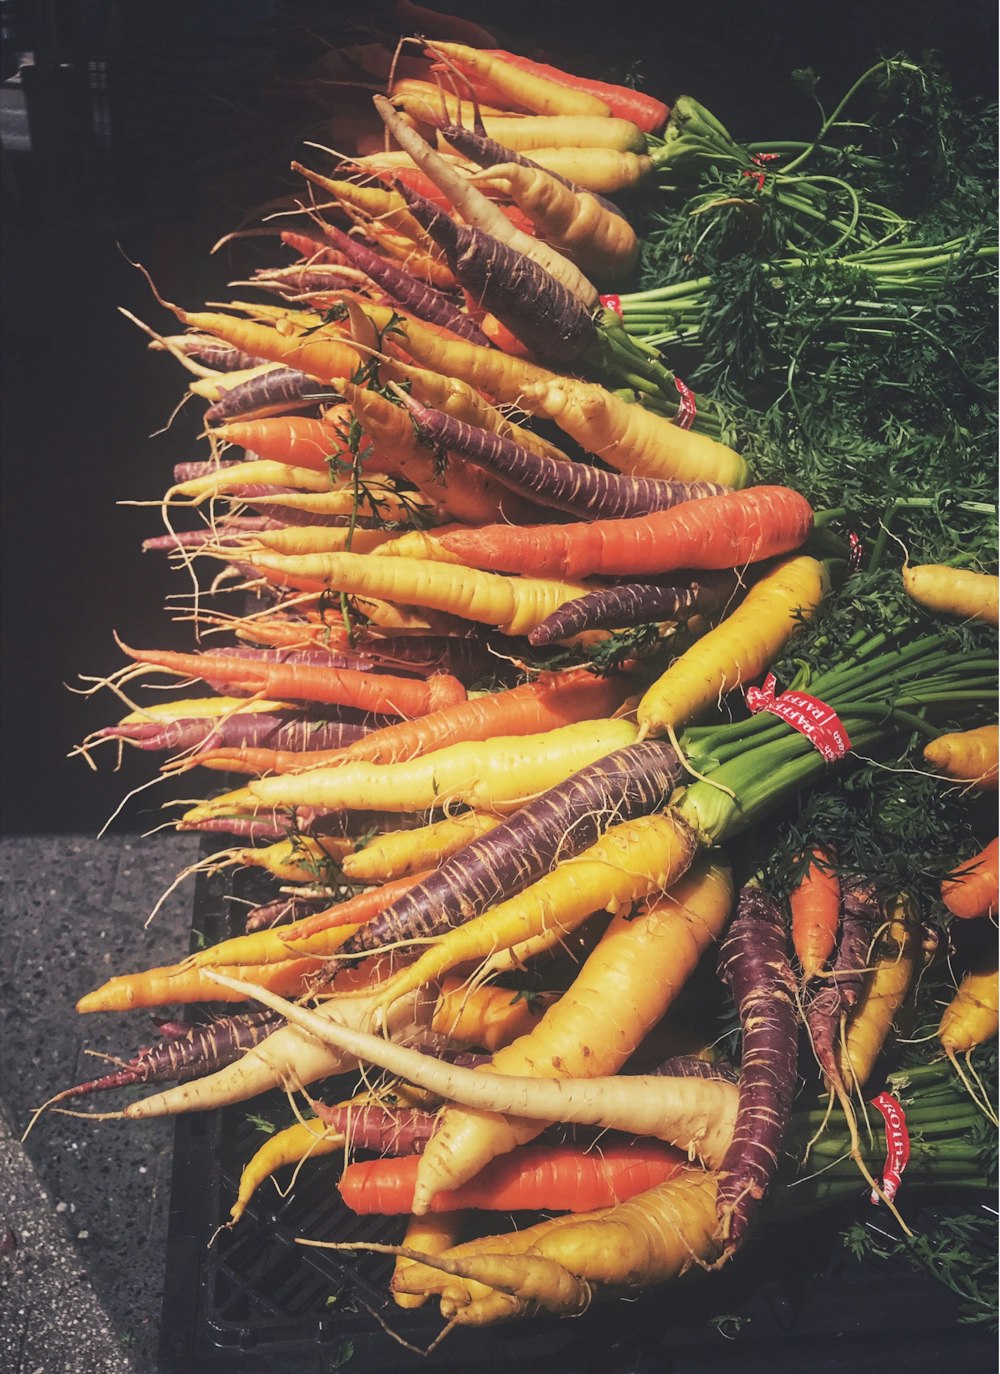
[(254, 1301)]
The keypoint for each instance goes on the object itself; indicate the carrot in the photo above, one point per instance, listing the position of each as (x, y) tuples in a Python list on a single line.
[(815, 907), (753, 960), (514, 605), (697, 1113), (604, 245), (486, 1016), (514, 769), (411, 851), (622, 990), (627, 863), (740, 648), (525, 89), (970, 891), (524, 133), (319, 354), (896, 965), (556, 1178), (640, 603), (302, 682), (298, 440), (303, 1140), (196, 1050), (576, 488), (423, 300), (275, 392), (236, 475), (623, 101), (968, 756), (724, 531), (604, 171), (627, 436), (183, 983), (973, 1015), (955, 591), (428, 1235)]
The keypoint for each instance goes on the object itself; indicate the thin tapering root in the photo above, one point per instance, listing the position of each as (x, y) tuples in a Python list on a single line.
[(214, 863), (979, 1098)]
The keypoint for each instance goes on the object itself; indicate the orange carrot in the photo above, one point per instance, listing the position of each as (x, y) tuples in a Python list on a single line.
[(553, 1178), (297, 440), (724, 531), (175, 983), (971, 889), (304, 682), (815, 904), (353, 912)]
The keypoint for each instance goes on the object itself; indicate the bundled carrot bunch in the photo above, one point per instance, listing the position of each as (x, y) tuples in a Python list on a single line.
[(490, 695)]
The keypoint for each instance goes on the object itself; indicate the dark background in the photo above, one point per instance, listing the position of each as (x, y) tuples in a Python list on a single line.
[(149, 127)]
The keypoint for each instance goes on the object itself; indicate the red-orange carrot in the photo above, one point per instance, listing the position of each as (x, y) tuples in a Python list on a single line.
[(551, 1177), (971, 889), (397, 696), (726, 531), (815, 906)]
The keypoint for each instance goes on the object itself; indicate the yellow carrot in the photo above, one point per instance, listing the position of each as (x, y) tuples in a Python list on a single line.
[(967, 756), (898, 957), (514, 605), (407, 851), (955, 591), (737, 651), (514, 769)]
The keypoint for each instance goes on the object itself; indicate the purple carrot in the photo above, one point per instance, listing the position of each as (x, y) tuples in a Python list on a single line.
[(413, 295), (232, 530), (221, 357), (284, 911), (242, 730), (576, 488), (638, 603), (283, 387), (540, 311), (178, 1058), (187, 472), (488, 153), (633, 781), (387, 1130), (691, 1066), (753, 960), (833, 998)]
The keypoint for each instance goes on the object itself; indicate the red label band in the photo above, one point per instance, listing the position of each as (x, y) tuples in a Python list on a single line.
[(759, 159), (897, 1145), (856, 554), (613, 303), (687, 409), (811, 717)]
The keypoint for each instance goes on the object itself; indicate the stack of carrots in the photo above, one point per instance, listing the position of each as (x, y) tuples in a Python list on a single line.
[(496, 570)]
